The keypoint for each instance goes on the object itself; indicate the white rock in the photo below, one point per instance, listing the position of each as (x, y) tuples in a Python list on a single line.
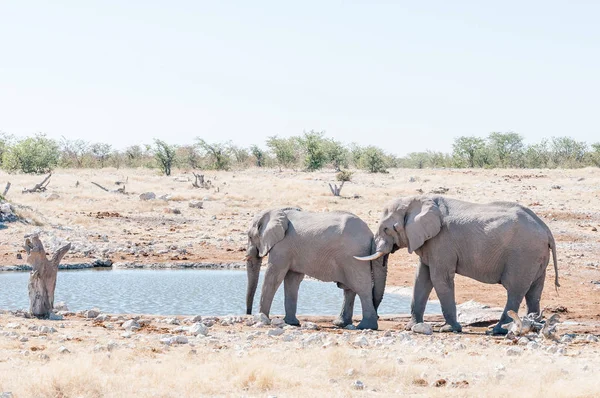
[(514, 351), (102, 318), (196, 204), (6, 394), (91, 313), (358, 385), (166, 197), (288, 338), (63, 350), (198, 328), (126, 335), (262, 318), (591, 338), (278, 322), (361, 342), (276, 332), (310, 326), (350, 372), (422, 328), (197, 318), (523, 341), (147, 196), (532, 345), (24, 339), (112, 346), (172, 321), (179, 340), (130, 325), (12, 325), (46, 330)]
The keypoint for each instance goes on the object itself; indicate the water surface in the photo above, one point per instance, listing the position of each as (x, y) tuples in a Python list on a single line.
[(181, 292)]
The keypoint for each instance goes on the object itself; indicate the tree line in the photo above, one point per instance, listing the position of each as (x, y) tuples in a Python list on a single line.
[(309, 152)]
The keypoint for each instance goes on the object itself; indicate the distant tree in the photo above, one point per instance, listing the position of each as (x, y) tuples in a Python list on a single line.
[(595, 154), (313, 147), (373, 159), (5, 142), (507, 148), (36, 154), (101, 152), (566, 152), (73, 152), (417, 160), (355, 153), (259, 155), (537, 155), (188, 155), (469, 151), (240, 155), (165, 155), (217, 154), (336, 154), (285, 150)]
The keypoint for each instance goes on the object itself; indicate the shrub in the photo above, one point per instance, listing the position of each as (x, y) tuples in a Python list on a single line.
[(164, 155), (217, 154), (344, 175), (259, 155), (373, 160), (284, 149), (313, 146), (36, 154)]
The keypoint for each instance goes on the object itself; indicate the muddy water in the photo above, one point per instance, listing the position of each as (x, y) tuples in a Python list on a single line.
[(180, 292)]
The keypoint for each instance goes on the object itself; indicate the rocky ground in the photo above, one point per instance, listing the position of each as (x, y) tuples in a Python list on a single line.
[(91, 354), (174, 229)]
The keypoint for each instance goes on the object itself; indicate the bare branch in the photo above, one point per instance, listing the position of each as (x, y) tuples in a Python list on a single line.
[(41, 187), (100, 186), (6, 189), (56, 257)]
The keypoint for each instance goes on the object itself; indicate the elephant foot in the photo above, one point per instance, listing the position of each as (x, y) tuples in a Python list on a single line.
[(368, 324), (341, 322), (451, 328), (410, 324), (497, 331), (292, 321)]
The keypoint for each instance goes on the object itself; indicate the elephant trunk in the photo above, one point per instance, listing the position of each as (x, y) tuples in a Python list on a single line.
[(253, 271), (379, 271)]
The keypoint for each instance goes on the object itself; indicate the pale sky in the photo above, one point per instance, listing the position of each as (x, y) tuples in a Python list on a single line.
[(405, 76)]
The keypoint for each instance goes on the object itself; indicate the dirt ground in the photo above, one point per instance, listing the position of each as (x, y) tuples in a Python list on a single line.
[(91, 358), (124, 228)]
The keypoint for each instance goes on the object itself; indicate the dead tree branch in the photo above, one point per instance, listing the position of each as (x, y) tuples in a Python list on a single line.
[(199, 180), (6, 189), (100, 186), (335, 190), (41, 187)]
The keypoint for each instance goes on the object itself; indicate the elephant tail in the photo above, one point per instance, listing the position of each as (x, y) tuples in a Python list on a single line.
[(379, 275), (552, 245)]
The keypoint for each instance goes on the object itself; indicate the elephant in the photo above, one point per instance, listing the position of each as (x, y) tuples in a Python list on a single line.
[(499, 242), (322, 246)]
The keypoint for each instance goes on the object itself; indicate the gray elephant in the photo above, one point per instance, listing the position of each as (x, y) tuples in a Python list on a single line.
[(498, 242), (320, 245)]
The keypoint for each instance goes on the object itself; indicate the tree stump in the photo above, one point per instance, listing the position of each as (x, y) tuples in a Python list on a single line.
[(42, 279)]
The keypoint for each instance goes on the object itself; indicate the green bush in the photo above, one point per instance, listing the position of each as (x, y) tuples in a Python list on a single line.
[(344, 175), (313, 147), (373, 160), (285, 150), (36, 154), (164, 155), (217, 155)]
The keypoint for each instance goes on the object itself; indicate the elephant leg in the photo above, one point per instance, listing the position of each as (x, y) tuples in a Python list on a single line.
[(273, 278), (421, 291), (513, 303), (291, 284), (534, 294), (369, 315), (345, 317), (443, 283)]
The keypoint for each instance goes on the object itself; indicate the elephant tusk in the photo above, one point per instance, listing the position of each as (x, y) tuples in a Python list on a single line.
[(372, 257)]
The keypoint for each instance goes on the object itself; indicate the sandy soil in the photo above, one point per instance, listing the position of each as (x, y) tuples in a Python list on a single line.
[(123, 228)]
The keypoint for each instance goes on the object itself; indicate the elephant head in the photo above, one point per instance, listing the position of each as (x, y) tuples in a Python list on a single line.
[(266, 229), (407, 222)]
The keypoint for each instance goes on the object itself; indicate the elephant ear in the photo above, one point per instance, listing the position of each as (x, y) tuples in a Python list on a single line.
[(423, 222), (266, 230)]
